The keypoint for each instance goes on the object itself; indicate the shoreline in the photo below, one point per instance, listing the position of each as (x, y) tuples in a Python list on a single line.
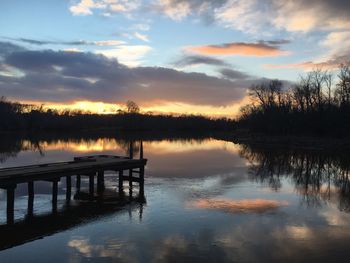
[(290, 141)]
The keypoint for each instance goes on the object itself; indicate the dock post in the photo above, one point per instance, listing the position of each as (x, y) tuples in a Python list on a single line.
[(10, 203), (91, 185), (142, 180), (77, 184), (54, 195), (131, 150), (131, 156), (130, 190), (68, 188), (100, 181), (142, 173), (120, 179), (30, 199), (141, 212), (141, 150)]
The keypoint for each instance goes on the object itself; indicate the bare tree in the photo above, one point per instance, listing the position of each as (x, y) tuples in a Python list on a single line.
[(343, 86), (132, 107), (268, 94), (328, 79)]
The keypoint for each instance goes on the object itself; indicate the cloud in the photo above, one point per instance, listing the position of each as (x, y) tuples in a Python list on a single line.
[(251, 16), (234, 74), (337, 44), (66, 76), (238, 206), (259, 17), (128, 55), (71, 43), (141, 27), (260, 49), (192, 60), (176, 10), (141, 37), (329, 64), (180, 9), (88, 7), (7, 48), (304, 16), (82, 8), (243, 15)]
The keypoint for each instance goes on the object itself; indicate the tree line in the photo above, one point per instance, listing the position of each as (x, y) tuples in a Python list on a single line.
[(23, 117), (319, 104)]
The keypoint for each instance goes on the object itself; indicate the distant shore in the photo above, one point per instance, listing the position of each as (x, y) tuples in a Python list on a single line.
[(288, 141)]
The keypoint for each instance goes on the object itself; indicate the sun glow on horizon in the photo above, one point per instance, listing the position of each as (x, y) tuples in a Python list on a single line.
[(172, 108)]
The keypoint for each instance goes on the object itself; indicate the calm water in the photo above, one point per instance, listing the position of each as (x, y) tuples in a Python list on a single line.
[(205, 201)]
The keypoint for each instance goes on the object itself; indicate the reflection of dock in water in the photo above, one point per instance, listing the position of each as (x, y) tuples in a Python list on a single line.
[(87, 205), (71, 215)]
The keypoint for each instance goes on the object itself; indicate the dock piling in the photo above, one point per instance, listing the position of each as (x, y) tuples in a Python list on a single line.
[(77, 184), (68, 188), (54, 195), (91, 185), (10, 203), (30, 199), (100, 181)]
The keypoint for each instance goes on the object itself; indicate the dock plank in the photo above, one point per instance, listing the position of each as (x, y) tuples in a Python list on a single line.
[(80, 165)]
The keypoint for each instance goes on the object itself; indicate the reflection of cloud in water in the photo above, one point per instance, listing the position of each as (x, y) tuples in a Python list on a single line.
[(334, 218), (238, 206), (82, 246), (179, 248), (111, 250), (299, 232)]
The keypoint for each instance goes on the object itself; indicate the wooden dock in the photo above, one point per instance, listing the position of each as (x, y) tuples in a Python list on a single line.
[(91, 166)]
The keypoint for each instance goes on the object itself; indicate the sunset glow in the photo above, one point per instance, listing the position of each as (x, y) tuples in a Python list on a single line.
[(169, 131), (159, 108), (215, 52)]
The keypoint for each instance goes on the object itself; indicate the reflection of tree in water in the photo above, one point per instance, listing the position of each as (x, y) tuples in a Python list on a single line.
[(318, 176), (10, 146), (9, 149), (125, 145)]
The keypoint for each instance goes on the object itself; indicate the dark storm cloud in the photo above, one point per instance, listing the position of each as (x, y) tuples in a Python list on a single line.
[(45, 60), (7, 48), (190, 60), (65, 76)]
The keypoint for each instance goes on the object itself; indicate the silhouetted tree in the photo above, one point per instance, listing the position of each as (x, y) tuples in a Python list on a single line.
[(132, 107), (343, 86), (313, 106)]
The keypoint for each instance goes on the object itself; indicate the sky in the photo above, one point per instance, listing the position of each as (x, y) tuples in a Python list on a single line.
[(169, 56)]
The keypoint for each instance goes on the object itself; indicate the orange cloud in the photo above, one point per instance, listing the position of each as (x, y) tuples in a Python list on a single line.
[(260, 49), (238, 206)]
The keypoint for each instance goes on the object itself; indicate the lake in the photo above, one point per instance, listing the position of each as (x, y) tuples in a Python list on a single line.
[(205, 200)]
